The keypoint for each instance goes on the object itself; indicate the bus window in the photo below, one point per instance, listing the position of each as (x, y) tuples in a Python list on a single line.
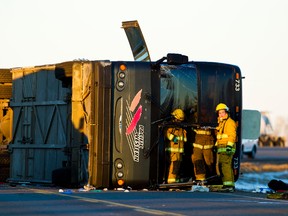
[(216, 85), (179, 90)]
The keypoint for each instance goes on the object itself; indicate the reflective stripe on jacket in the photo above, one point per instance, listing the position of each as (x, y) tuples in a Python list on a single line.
[(178, 133), (224, 150), (203, 132), (202, 146), (175, 149)]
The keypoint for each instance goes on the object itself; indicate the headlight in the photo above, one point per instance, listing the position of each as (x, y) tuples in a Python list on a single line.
[(122, 75), (120, 174), (120, 84), (119, 165)]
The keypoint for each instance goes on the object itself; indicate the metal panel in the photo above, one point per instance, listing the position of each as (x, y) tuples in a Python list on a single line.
[(99, 128), (5, 90), (4, 165), (5, 83), (41, 129), (90, 115), (5, 76), (132, 123), (79, 118)]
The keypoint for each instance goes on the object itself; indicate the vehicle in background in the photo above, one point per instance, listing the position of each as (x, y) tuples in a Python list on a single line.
[(268, 136), (250, 132), (249, 147)]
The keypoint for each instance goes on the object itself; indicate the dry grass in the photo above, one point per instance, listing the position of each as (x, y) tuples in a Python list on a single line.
[(261, 167)]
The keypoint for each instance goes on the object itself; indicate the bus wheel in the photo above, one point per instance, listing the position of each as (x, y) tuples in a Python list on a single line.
[(241, 152), (252, 154)]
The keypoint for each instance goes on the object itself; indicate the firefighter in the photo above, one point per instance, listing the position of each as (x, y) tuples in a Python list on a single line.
[(226, 147), (176, 136), (203, 155)]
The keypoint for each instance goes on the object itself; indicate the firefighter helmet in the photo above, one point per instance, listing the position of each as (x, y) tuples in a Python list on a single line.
[(222, 106), (178, 114)]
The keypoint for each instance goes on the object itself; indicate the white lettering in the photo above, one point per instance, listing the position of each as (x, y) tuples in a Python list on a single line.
[(138, 143), (141, 136), (236, 163), (237, 85)]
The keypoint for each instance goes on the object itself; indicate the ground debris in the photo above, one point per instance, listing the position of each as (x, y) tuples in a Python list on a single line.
[(278, 195)]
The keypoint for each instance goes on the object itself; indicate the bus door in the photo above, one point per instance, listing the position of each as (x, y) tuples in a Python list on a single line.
[(179, 89)]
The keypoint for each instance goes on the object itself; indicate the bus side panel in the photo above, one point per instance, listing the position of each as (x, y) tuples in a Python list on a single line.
[(41, 124), (237, 116), (100, 129), (132, 124)]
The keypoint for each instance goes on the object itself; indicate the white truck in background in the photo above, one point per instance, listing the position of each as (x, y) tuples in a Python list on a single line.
[(251, 120)]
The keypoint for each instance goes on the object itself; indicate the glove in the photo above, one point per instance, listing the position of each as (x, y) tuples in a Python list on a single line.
[(175, 139), (229, 150)]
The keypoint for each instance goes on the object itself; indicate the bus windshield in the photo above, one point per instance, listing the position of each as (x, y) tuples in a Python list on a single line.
[(197, 88)]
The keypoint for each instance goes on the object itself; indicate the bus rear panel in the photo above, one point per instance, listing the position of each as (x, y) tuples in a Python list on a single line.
[(132, 123)]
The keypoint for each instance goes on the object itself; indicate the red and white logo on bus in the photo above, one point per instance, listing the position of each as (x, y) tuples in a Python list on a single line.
[(135, 131)]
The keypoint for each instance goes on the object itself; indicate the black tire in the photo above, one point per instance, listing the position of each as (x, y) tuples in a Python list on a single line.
[(241, 152), (252, 154), (62, 177)]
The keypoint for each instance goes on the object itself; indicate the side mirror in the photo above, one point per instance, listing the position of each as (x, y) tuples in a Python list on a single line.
[(176, 59)]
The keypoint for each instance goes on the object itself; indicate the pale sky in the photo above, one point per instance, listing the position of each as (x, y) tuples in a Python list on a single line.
[(252, 34)]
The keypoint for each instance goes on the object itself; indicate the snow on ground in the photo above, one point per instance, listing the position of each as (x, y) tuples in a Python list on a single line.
[(254, 181)]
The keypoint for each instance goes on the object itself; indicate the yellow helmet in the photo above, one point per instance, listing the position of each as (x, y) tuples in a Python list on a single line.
[(222, 106), (178, 114)]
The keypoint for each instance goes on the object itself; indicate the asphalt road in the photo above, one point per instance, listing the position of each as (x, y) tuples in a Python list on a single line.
[(40, 200), (27, 200), (274, 155)]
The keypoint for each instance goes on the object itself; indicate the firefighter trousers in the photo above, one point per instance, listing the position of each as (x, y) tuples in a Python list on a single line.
[(175, 161), (224, 168), (202, 159)]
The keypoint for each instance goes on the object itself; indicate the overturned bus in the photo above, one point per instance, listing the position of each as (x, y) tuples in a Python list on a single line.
[(101, 122)]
